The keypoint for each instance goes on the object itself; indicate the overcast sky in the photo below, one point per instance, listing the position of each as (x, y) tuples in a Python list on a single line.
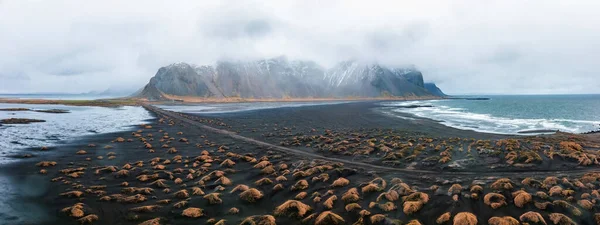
[(465, 46)]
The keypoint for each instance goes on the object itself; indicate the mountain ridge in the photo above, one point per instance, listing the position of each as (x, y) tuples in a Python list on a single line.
[(280, 78)]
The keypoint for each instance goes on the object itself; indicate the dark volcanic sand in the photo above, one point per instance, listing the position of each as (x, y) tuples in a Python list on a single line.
[(44, 195)]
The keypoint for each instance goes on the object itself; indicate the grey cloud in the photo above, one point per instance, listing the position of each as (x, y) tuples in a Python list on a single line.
[(255, 28), (14, 76), (466, 46), (503, 55)]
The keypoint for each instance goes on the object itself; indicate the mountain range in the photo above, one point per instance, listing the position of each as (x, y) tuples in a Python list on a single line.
[(282, 78)]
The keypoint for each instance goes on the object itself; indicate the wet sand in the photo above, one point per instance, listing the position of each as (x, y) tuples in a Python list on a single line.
[(279, 127)]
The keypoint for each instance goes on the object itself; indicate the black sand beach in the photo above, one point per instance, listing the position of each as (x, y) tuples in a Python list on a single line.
[(545, 174)]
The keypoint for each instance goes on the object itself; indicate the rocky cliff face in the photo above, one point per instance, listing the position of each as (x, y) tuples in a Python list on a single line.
[(279, 78), (434, 89)]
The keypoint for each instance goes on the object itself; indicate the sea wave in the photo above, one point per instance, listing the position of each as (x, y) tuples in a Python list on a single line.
[(462, 118)]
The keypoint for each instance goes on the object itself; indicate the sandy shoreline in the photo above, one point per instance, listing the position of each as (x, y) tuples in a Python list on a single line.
[(283, 127)]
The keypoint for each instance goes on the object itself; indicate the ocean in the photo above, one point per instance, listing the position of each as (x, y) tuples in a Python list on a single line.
[(80, 121), (510, 114), (209, 108)]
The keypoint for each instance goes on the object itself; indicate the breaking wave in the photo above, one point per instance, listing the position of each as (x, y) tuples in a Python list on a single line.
[(465, 118)]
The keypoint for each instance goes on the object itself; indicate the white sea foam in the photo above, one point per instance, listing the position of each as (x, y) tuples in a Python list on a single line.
[(464, 119), (81, 120)]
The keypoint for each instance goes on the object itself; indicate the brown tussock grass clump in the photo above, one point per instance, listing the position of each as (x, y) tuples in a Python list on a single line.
[(505, 220), (549, 181), (292, 206), (259, 220), (377, 218), (502, 184), (542, 195), (413, 222), (46, 164), (417, 196), (542, 205), (278, 187), (351, 195), (410, 207), (521, 198), (328, 217), (164, 201), (372, 205), (75, 210), (586, 204), (130, 190), (224, 181), (180, 204), (155, 221), (197, 191), (570, 146), (531, 182), (268, 170), (414, 202), (455, 189), (213, 198), (387, 207), (182, 194), (402, 188), (239, 187), (192, 212), (567, 192), (88, 219), (494, 200), (476, 189), (352, 206), (300, 185), (564, 204), (465, 218), (443, 218), (532, 217), (390, 195), (146, 208), (122, 173), (233, 211), (281, 178), (172, 150), (263, 181), (364, 213), (301, 195), (595, 193), (562, 219), (137, 198), (329, 202), (251, 195), (262, 165), (340, 182), (370, 187), (127, 166), (72, 194), (190, 176), (178, 181), (556, 190)]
